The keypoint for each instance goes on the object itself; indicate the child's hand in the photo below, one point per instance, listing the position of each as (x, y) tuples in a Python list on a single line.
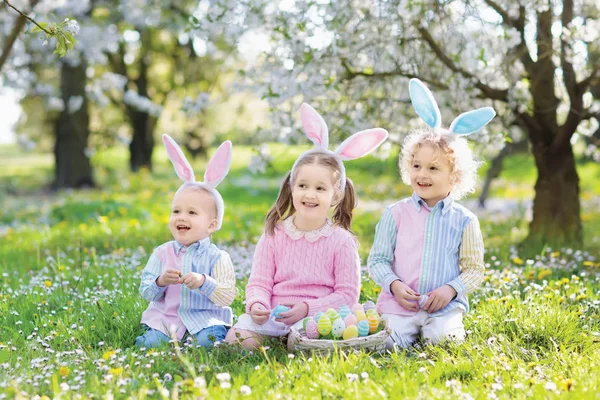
[(439, 298), (193, 280), (259, 313), (298, 311), (404, 295), (169, 277)]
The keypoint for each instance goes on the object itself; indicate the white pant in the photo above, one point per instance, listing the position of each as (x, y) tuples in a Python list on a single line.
[(269, 328), (405, 330)]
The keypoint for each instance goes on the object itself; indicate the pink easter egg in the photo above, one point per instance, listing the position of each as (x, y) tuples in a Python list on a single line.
[(350, 320), (357, 307), (312, 331)]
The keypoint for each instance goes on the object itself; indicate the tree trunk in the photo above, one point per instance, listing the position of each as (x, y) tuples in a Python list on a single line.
[(73, 168), (142, 144), (556, 207)]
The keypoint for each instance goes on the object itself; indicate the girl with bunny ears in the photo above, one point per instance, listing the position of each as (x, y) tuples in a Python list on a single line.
[(305, 261), (189, 281), (428, 250)]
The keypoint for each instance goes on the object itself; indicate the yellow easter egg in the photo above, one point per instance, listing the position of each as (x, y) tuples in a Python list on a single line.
[(324, 325), (350, 332), (360, 315)]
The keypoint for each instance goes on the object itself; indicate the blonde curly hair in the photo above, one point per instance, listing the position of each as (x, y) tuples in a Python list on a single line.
[(454, 147)]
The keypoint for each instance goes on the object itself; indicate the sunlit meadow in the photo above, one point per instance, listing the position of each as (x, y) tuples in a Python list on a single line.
[(69, 305)]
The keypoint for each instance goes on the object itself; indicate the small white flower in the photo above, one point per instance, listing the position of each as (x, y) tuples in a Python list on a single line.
[(550, 385), (352, 377), (223, 377), (245, 390)]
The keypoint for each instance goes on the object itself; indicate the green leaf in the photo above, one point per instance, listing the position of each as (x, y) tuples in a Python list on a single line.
[(38, 29), (61, 46)]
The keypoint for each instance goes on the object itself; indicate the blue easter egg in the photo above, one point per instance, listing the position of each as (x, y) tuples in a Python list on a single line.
[(363, 328), (275, 313)]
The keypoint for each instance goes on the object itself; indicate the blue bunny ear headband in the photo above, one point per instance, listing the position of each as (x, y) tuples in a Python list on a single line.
[(427, 108)]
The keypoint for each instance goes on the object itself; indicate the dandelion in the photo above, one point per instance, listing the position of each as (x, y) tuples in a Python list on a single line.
[(517, 261), (107, 355), (116, 371), (48, 283), (63, 371)]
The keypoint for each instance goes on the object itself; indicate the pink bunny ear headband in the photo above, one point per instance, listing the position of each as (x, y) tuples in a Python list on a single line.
[(216, 170), (358, 145)]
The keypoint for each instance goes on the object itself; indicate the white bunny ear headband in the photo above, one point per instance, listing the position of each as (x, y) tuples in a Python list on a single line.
[(427, 108), (216, 170), (358, 145)]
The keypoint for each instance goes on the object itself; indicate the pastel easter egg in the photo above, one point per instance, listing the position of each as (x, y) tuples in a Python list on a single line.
[(350, 332), (369, 305), (275, 313), (350, 320), (363, 328), (332, 314), (305, 321), (337, 329), (371, 311), (324, 325), (373, 323), (318, 315), (344, 311), (360, 315), (312, 329), (357, 307)]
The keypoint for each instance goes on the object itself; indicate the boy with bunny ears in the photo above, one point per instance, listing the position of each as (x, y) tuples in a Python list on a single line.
[(189, 281), (427, 254)]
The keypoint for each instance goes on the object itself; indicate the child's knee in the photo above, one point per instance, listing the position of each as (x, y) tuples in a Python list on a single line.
[(247, 339), (456, 335), (208, 336), (151, 338)]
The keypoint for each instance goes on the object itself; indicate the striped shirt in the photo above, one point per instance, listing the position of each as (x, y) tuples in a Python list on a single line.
[(175, 308), (426, 248)]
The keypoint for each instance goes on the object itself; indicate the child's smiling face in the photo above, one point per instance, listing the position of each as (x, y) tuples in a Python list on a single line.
[(313, 193), (430, 174), (193, 216)]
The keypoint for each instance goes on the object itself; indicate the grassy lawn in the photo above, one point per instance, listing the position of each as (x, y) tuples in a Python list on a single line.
[(69, 306)]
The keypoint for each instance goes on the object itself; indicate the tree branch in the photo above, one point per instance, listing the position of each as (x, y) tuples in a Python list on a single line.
[(566, 65), (593, 78), (351, 73), (14, 33), (27, 17), (490, 93)]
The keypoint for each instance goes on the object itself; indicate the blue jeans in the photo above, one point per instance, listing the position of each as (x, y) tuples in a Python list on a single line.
[(206, 337)]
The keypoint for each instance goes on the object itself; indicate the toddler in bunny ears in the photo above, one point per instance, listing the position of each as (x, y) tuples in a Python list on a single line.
[(428, 250), (306, 262), (189, 281)]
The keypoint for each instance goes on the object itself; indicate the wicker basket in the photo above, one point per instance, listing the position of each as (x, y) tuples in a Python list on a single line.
[(297, 341)]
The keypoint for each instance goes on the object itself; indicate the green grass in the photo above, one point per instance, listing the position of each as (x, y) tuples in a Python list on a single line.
[(69, 307)]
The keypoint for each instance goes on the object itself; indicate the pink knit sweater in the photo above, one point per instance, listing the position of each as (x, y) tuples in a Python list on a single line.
[(321, 269)]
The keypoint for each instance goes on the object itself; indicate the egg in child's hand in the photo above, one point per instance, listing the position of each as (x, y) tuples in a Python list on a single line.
[(275, 313), (337, 329), (350, 332), (312, 329), (363, 328), (324, 325)]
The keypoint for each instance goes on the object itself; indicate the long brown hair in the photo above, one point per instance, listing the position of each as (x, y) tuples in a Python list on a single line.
[(284, 205)]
